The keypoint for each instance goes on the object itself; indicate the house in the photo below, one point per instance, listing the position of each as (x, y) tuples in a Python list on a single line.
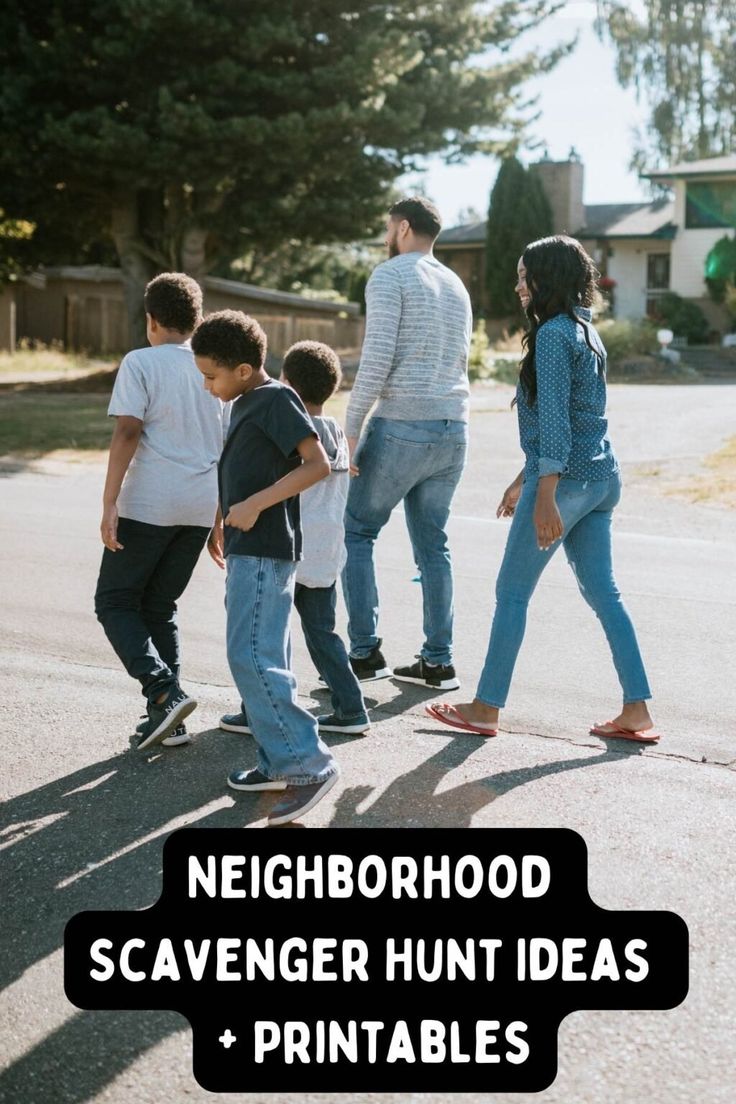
[(647, 248)]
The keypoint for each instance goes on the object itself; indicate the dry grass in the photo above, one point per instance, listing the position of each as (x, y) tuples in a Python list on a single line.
[(49, 360), (718, 488)]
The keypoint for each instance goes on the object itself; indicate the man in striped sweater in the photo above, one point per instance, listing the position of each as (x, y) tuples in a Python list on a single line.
[(414, 367)]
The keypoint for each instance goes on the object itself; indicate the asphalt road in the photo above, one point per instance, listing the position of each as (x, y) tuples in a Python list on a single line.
[(85, 818)]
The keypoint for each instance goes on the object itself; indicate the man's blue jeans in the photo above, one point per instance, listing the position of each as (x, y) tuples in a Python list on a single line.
[(316, 609), (586, 509), (259, 596), (420, 462)]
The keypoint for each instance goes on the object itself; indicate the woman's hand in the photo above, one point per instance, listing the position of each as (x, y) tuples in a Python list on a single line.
[(547, 520), (511, 496)]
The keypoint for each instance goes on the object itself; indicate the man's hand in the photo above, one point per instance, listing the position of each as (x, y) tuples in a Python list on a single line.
[(109, 528), (216, 543), (243, 515), (352, 445)]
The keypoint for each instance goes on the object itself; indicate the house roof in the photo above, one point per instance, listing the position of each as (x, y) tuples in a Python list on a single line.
[(710, 166), (602, 220)]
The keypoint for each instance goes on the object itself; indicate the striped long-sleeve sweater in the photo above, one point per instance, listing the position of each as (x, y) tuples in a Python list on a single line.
[(414, 362)]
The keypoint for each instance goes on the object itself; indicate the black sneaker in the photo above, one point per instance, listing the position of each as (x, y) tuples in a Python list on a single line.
[(236, 722), (371, 667), (165, 717), (178, 737), (353, 726), (421, 673), (253, 780), (298, 800)]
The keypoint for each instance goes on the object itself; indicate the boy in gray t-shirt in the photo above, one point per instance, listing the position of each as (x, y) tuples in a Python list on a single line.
[(159, 502), (312, 369)]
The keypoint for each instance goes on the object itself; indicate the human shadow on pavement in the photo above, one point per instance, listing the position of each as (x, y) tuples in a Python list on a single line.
[(413, 799)]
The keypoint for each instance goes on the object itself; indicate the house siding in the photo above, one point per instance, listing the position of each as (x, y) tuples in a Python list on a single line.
[(627, 265)]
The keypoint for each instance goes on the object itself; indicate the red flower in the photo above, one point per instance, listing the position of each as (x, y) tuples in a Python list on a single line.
[(606, 283)]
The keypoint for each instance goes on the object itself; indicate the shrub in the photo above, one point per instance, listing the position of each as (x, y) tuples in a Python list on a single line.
[(684, 318), (624, 339), (479, 361), (720, 267)]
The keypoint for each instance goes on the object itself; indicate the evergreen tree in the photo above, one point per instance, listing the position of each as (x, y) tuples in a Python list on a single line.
[(187, 134), (681, 56), (519, 213)]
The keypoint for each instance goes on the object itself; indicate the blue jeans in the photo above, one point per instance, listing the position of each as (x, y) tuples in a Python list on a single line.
[(259, 596), (421, 463), (586, 510), (316, 609)]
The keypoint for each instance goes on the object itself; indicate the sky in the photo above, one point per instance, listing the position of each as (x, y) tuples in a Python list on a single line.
[(581, 105)]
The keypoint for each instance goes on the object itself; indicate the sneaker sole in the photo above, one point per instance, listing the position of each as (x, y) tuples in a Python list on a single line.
[(374, 676), (352, 730), (176, 741), (271, 785), (167, 727), (444, 684), (324, 789), (236, 728)]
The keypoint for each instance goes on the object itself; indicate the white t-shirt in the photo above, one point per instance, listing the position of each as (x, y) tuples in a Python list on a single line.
[(322, 509), (172, 478)]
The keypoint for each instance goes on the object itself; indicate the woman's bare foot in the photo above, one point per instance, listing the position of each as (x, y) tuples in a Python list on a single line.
[(634, 717), (477, 712)]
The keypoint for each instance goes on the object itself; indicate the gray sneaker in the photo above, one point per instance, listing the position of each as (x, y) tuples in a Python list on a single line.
[(298, 800), (163, 718), (178, 737), (254, 780), (236, 722)]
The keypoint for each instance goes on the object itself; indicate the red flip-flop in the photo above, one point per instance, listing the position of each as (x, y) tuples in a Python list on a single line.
[(620, 733), (443, 712)]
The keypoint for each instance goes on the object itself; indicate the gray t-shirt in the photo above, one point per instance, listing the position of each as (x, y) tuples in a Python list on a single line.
[(323, 511), (172, 478)]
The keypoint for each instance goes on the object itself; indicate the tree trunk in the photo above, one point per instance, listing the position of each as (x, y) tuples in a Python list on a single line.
[(193, 253), (136, 269)]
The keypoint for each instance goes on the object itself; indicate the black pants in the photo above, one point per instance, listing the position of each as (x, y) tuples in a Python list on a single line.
[(136, 597)]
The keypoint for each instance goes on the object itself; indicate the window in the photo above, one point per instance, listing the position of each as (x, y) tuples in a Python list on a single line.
[(658, 271), (710, 205)]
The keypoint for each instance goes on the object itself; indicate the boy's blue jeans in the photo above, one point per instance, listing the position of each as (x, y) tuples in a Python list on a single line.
[(316, 609), (586, 509), (259, 596), (420, 462)]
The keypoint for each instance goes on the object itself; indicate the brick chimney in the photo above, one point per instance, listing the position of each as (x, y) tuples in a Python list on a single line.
[(563, 184)]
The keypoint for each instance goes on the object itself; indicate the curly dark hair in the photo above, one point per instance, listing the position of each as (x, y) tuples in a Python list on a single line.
[(230, 338), (313, 370), (175, 301), (420, 213), (560, 276)]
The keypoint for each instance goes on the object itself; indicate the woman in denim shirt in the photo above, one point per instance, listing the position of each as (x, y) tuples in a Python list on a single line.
[(566, 491)]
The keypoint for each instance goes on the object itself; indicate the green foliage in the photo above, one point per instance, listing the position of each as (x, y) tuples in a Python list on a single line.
[(624, 339), (479, 361), (680, 55), (720, 267), (189, 134), (729, 302), (519, 213), (683, 317)]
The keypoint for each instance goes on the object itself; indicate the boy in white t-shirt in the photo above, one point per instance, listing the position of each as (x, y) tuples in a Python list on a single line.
[(312, 369), (159, 502)]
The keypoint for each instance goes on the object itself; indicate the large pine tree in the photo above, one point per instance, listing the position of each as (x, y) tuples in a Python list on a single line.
[(519, 212), (186, 134)]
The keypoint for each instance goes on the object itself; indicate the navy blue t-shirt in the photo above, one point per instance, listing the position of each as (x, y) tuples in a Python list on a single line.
[(266, 425)]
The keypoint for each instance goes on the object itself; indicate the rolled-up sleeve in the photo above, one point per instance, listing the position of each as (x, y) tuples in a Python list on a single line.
[(554, 358)]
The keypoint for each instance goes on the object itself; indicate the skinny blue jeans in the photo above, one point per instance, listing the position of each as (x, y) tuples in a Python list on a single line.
[(586, 509), (420, 462), (259, 596)]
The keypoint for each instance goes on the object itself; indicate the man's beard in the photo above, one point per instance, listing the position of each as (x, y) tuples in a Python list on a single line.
[(393, 248)]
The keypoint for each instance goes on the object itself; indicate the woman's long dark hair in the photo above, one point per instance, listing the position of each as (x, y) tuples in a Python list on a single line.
[(559, 276)]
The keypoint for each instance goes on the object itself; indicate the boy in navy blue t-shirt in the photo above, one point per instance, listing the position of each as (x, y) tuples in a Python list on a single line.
[(272, 453)]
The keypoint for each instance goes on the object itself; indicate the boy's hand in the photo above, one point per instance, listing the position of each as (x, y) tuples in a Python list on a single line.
[(109, 528), (352, 445), (243, 515), (216, 544)]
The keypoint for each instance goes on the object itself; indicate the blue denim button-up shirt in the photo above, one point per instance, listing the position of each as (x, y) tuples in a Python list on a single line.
[(566, 431)]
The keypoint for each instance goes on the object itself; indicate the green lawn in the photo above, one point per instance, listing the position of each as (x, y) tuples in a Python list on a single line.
[(33, 423)]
